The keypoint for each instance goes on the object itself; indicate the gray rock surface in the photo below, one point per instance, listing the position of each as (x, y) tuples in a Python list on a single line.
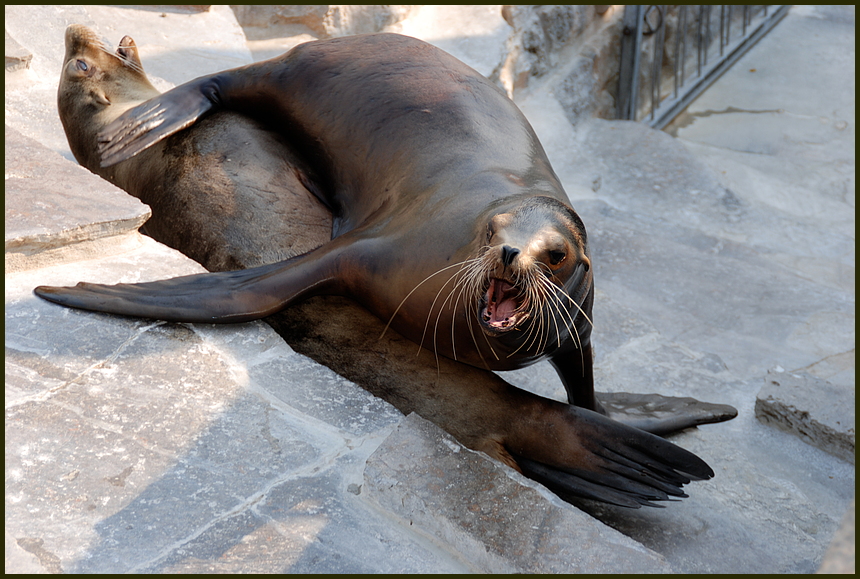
[(803, 404), (56, 210), (728, 251), (513, 525)]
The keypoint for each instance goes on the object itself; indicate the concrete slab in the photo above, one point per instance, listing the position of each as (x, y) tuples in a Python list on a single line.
[(57, 211), (778, 130), (840, 557), (17, 57), (511, 525), (141, 446)]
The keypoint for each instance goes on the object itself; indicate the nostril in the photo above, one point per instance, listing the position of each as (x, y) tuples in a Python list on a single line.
[(509, 254)]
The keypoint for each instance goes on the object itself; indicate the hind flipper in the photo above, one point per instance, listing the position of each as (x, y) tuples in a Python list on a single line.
[(597, 458), (215, 298), (662, 414)]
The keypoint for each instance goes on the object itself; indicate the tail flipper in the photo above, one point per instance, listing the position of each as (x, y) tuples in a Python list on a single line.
[(215, 298)]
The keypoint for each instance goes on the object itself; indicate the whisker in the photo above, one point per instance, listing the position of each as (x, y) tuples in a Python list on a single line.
[(422, 282), (572, 324)]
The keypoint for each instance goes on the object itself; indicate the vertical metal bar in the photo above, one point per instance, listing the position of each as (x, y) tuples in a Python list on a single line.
[(746, 16), (729, 26), (707, 32), (657, 62), (677, 54), (683, 28), (628, 77), (700, 39), (654, 77), (722, 26)]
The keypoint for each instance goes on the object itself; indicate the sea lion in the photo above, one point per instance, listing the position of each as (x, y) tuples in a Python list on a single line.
[(394, 131), (226, 174)]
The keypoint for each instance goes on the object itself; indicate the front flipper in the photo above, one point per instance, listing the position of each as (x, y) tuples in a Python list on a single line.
[(593, 457), (215, 298), (662, 414), (156, 119)]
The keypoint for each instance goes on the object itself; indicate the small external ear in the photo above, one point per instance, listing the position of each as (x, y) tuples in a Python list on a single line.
[(127, 51)]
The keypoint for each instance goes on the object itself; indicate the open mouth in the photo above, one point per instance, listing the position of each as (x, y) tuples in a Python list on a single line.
[(503, 307)]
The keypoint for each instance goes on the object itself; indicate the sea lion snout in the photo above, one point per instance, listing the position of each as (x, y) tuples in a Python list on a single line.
[(509, 254)]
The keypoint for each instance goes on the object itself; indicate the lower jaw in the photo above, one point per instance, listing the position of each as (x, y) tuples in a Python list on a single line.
[(496, 331)]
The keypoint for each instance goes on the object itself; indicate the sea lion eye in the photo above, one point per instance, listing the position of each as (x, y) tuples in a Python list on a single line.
[(556, 257), (82, 66)]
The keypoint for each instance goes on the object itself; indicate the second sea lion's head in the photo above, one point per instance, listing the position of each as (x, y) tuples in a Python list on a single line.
[(96, 86)]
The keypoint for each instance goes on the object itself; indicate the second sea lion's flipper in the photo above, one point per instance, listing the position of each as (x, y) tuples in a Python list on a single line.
[(156, 119), (597, 458), (215, 298), (662, 414)]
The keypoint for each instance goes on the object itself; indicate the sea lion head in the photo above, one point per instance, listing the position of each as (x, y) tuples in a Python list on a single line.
[(96, 86), (536, 273)]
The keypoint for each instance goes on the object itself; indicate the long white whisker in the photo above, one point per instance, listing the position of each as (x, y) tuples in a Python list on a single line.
[(571, 325), (562, 311), (414, 290)]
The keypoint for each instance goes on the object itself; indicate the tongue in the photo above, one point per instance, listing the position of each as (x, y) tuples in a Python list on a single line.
[(500, 302)]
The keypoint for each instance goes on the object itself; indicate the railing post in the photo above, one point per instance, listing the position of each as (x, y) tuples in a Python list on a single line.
[(628, 78)]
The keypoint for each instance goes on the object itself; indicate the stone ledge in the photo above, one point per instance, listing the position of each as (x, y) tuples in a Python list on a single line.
[(802, 404), (424, 476), (52, 203)]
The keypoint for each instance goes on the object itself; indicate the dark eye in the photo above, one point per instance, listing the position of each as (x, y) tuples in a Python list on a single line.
[(556, 257), (82, 66)]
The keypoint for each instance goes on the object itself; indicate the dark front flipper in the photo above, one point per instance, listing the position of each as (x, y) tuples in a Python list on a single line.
[(588, 455), (574, 366), (662, 414), (217, 298), (158, 118)]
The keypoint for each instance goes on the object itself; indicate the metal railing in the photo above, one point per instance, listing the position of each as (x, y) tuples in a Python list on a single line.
[(670, 54)]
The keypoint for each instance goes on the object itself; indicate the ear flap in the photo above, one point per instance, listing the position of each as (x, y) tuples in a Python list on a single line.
[(127, 51)]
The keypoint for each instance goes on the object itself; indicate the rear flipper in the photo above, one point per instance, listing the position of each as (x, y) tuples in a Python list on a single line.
[(214, 298), (597, 458), (662, 414)]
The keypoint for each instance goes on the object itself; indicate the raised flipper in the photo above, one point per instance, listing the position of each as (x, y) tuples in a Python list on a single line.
[(594, 457), (156, 119), (215, 298), (659, 414)]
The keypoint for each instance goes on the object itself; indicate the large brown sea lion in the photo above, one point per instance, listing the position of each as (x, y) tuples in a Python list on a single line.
[(449, 224)]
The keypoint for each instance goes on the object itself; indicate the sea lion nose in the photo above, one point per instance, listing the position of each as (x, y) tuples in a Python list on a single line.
[(508, 254)]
